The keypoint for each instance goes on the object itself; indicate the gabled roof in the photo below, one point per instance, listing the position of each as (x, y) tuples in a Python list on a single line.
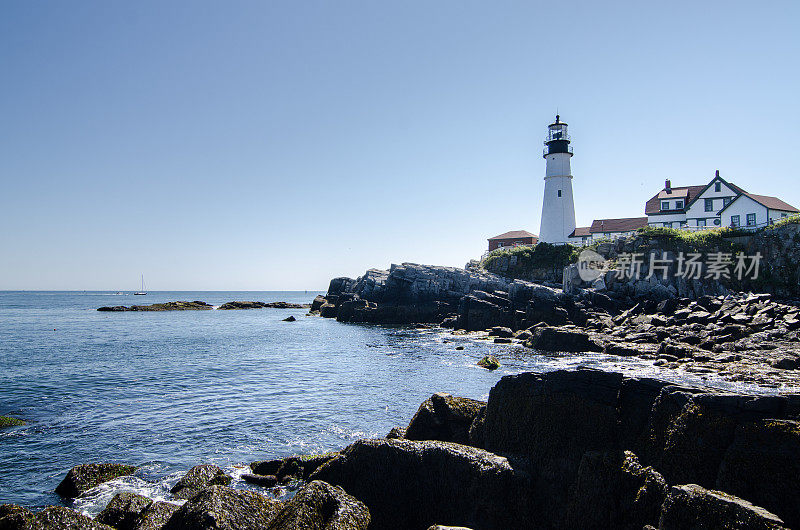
[(771, 203), (627, 224), (514, 234), (653, 206), (734, 187), (581, 231)]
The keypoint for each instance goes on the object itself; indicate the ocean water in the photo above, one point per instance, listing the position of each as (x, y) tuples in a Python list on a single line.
[(169, 390)]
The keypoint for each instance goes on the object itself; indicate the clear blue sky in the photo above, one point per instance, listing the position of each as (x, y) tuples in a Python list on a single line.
[(274, 145)]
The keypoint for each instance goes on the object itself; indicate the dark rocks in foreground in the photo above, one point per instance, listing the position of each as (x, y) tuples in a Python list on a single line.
[(444, 417), (14, 517), (84, 477)]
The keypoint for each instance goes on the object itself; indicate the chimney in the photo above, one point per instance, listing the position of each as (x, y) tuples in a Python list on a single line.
[(716, 174), (667, 186)]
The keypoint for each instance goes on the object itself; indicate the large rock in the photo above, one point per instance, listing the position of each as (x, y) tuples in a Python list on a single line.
[(613, 490), (693, 507), (197, 478), (84, 477), (562, 340), (762, 465), (320, 506), (298, 467), (155, 516), (14, 517), (445, 418), (413, 485), (124, 510), (224, 508)]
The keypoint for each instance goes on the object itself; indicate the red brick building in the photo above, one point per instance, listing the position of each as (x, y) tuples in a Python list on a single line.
[(515, 238)]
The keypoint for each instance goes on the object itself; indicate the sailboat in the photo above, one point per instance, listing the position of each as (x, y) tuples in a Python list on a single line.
[(142, 292)]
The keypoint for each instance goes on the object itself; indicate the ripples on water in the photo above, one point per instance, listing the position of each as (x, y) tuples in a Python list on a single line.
[(169, 390)]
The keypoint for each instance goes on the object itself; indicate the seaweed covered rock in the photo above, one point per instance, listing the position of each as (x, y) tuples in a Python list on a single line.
[(198, 478), (155, 516), (124, 510), (84, 477), (413, 485), (320, 506), (691, 506), (298, 467), (444, 417), (13, 517), (224, 508), (489, 362), (6, 421), (60, 518)]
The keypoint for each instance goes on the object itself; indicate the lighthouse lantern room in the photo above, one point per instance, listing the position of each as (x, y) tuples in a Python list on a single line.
[(558, 208)]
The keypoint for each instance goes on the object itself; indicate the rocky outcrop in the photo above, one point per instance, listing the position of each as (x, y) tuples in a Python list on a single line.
[(166, 306), (155, 516), (413, 485), (199, 477), (320, 506), (84, 477), (6, 421), (691, 506), (293, 467), (14, 517), (124, 510), (564, 340), (260, 305), (445, 418), (224, 508)]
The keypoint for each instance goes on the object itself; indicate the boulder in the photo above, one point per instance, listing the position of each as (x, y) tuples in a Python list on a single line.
[(60, 518), (298, 467), (327, 310), (197, 478), (13, 517), (84, 477), (412, 485), (224, 508), (489, 362), (396, 433), (691, 506), (554, 339), (6, 421), (155, 516), (319, 300), (124, 510), (444, 417), (500, 331), (320, 506), (290, 318), (265, 481)]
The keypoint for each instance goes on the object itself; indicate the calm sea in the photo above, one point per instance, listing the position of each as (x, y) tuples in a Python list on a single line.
[(169, 390)]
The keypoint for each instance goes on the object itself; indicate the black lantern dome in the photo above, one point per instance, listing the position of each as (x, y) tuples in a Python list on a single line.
[(557, 140)]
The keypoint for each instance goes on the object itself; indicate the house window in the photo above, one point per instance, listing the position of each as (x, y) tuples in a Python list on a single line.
[(735, 220), (665, 205), (701, 222), (709, 205), (717, 186), (678, 205), (751, 219), (726, 201), (559, 193)]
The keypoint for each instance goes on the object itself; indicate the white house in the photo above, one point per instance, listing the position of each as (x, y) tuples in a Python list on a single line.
[(607, 229), (712, 206)]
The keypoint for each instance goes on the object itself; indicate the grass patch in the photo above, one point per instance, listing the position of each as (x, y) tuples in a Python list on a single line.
[(523, 260)]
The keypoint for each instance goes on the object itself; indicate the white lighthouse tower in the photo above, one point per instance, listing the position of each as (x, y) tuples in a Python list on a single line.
[(558, 209)]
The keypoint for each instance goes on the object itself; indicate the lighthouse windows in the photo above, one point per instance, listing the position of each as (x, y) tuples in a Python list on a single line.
[(559, 193)]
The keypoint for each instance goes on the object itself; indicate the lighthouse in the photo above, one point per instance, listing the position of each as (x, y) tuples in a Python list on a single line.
[(558, 208)]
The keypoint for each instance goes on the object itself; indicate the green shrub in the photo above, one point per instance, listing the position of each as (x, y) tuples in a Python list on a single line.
[(541, 256)]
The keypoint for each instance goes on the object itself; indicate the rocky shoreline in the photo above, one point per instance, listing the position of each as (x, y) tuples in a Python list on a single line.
[(565, 449)]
